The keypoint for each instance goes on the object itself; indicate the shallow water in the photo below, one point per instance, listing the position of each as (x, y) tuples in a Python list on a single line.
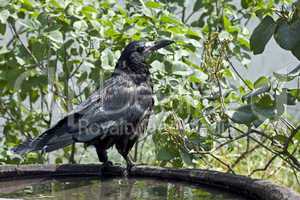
[(108, 189)]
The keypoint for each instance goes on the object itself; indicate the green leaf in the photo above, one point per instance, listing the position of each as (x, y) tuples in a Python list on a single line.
[(245, 3), (268, 108), (43, 18), (283, 77), (249, 84), (226, 22), (281, 139), (164, 155), (152, 4), (287, 35), (198, 5), (55, 4), (89, 12), (287, 97), (244, 43), (56, 36), (296, 51), (82, 78), (4, 14), (4, 3), (295, 72), (266, 101), (242, 115), (297, 136), (38, 48), (186, 157), (80, 25), (197, 23), (289, 76), (68, 44), (257, 91), (294, 93), (262, 34), (261, 81), (175, 29), (28, 4), (2, 29), (58, 160), (258, 122), (198, 77), (180, 68), (221, 127), (89, 9), (179, 2), (34, 95), (169, 20)]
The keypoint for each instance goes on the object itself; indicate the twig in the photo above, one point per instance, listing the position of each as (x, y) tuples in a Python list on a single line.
[(14, 36), (295, 174), (261, 133), (234, 139), (290, 138), (287, 123), (183, 14), (14, 31), (189, 16), (237, 73), (265, 167), (222, 162), (81, 62), (243, 155), (223, 144)]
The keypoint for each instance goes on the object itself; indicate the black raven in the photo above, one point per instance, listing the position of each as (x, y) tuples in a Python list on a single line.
[(114, 115)]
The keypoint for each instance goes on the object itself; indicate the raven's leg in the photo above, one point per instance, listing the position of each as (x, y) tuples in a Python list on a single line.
[(129, 162), (102, 155), (124, 145)]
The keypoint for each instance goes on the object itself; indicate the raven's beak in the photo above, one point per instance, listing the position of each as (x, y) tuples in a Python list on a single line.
[(150, 46)]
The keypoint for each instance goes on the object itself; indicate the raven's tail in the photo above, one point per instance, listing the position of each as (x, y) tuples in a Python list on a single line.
[(24, 147), (44, 145), (54, 138)]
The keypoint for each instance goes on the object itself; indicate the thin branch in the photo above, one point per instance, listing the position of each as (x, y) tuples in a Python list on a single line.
[(237, 73), (261, 134), (183, 14), (222, 162), (290, 138), (14, 36), (243, 155), (234, 139), (189, 16), (14, 31), (295, 174), (265, 167), (223, 144), (287, 123)]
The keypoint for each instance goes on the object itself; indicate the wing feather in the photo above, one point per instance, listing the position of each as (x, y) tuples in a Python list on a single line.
[(118, 106)]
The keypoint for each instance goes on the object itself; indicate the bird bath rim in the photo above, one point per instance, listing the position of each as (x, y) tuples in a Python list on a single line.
[(245, 186)]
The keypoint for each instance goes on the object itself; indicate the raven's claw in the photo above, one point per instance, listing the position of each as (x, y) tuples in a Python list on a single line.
[(108, 164)]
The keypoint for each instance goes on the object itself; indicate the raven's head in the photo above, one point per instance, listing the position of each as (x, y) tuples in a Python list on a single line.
[(136, 52)]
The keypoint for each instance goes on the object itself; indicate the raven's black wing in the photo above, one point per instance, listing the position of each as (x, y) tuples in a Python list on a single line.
[(120, 102)]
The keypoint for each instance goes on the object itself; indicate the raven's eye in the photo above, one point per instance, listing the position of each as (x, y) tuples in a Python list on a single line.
[(140, 49)]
